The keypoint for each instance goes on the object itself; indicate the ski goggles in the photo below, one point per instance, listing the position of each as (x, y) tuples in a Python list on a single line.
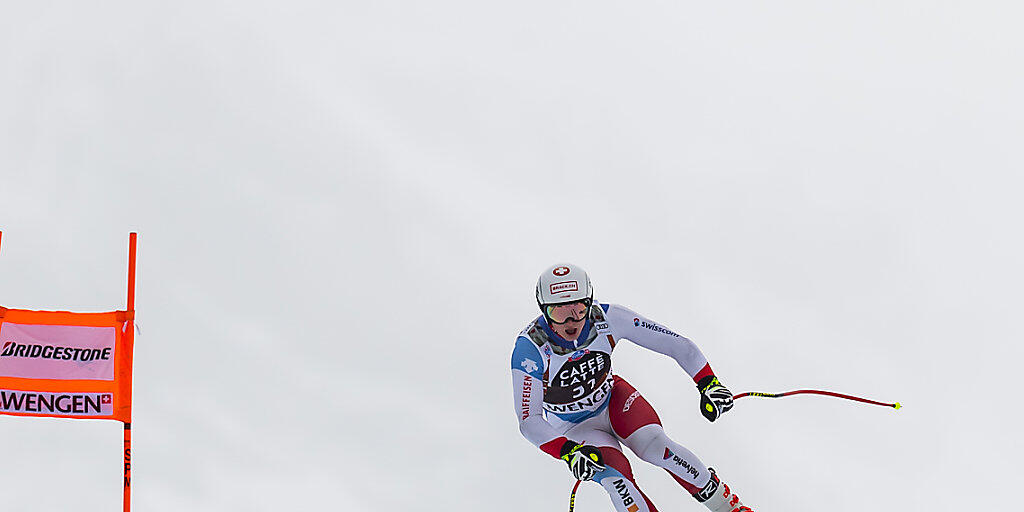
[(562, 313)]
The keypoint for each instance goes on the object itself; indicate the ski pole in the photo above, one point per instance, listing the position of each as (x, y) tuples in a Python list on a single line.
[(572, 495), (895, 405)]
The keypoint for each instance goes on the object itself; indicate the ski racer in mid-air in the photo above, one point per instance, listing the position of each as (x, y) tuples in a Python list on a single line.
[(571, 405)]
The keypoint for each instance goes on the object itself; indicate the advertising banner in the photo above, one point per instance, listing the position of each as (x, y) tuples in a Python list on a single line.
[(66, 365)]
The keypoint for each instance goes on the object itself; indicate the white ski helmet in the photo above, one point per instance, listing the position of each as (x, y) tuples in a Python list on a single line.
[(563, 283)]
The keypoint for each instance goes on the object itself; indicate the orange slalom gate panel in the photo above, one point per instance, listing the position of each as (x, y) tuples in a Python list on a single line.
[(66, 365)]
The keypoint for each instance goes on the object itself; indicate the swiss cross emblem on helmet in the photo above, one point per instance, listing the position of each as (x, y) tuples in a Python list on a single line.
[(560, 271)]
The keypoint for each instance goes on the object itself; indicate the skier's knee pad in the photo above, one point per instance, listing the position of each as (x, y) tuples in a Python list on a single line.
[(644, 438)]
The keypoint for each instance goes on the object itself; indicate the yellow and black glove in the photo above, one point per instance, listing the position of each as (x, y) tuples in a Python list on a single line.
[(584, 461), (715, 399)]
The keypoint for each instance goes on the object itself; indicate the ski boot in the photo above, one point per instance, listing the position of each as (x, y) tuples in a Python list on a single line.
[(717, 496)]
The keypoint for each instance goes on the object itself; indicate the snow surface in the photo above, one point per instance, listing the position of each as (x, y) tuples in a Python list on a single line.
[(343, 207)]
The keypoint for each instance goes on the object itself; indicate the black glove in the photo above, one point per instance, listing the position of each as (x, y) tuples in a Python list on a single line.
[(584, 461), (715, 399)]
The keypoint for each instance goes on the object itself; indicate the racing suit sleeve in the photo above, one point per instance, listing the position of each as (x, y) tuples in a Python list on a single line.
[(528, 396), (626, 323)]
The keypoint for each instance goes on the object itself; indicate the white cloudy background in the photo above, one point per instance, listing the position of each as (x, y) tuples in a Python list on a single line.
[(343, 207)]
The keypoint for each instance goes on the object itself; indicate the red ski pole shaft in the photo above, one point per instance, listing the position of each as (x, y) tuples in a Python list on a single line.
[(572, 495), (895, 405)]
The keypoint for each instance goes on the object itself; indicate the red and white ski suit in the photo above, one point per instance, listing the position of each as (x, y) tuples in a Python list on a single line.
[(566, 391)]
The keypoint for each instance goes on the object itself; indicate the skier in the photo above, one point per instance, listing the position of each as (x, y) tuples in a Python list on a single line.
[(572, 407)]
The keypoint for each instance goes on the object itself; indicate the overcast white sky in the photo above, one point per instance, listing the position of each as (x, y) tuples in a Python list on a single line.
[(343, 208)]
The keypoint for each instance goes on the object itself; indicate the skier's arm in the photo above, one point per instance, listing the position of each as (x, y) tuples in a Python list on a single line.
[(528, 396), (651, 335), (715, 399)]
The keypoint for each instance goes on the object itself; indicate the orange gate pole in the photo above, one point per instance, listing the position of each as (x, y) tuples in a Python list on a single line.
[(130, 327)]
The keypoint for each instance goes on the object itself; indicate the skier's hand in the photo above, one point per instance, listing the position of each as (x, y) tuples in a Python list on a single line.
[(715, 399), (584, 461)]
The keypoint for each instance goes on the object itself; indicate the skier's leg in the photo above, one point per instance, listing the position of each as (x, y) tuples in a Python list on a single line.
[(636, 422), (650, 443), (617, 477), (617, 480)]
